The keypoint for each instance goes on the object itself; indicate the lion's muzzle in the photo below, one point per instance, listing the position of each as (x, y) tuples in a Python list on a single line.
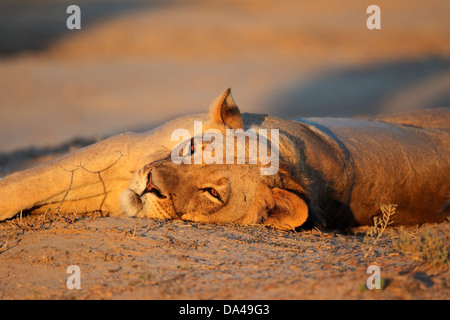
[(151, 188)]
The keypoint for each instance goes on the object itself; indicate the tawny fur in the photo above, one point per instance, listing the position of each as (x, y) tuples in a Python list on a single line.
[(333, 172)]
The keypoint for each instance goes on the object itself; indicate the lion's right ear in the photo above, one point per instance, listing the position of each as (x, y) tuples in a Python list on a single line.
[(288, 211), (225, 111)]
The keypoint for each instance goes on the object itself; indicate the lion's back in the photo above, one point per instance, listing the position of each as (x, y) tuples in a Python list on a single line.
[(438, 118)]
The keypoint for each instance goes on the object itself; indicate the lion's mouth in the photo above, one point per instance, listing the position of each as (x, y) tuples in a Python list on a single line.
[(153, 201), (156, 192), (151, 188), (153, 204)]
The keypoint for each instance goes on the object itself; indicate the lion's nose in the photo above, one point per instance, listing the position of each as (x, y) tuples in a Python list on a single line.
[(151, 188)]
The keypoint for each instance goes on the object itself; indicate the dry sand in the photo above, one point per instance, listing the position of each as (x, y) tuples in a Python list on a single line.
[(125, 258), (136, 64)]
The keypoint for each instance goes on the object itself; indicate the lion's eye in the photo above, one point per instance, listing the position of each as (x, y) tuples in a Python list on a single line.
[(213, 192), (192, 146)]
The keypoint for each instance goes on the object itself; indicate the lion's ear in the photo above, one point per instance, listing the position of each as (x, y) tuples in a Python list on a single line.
[(288, 212), (225, 111)]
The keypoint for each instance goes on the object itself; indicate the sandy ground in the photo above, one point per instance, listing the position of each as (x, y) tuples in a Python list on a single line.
[(125, 258), (136, 64)]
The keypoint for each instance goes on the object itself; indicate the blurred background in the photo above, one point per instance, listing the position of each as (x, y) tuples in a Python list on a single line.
[(135, 64)]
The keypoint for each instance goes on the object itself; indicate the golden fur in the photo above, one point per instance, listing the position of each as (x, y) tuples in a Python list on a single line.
[(332, 172)]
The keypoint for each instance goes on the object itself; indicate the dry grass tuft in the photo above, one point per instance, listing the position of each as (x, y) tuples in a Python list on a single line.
[(38, 222), (429, 245), (380, 223)]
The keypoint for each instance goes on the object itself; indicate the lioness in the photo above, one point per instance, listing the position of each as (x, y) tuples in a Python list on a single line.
[(332, 172)]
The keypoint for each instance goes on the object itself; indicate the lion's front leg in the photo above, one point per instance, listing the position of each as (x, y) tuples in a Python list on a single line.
[(30, 188), (90, 179)]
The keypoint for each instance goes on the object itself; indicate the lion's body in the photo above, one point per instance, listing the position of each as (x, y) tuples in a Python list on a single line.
[(389, 163), (345, 169)]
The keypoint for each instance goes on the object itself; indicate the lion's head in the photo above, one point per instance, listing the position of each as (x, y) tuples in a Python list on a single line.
[(221, 192)]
